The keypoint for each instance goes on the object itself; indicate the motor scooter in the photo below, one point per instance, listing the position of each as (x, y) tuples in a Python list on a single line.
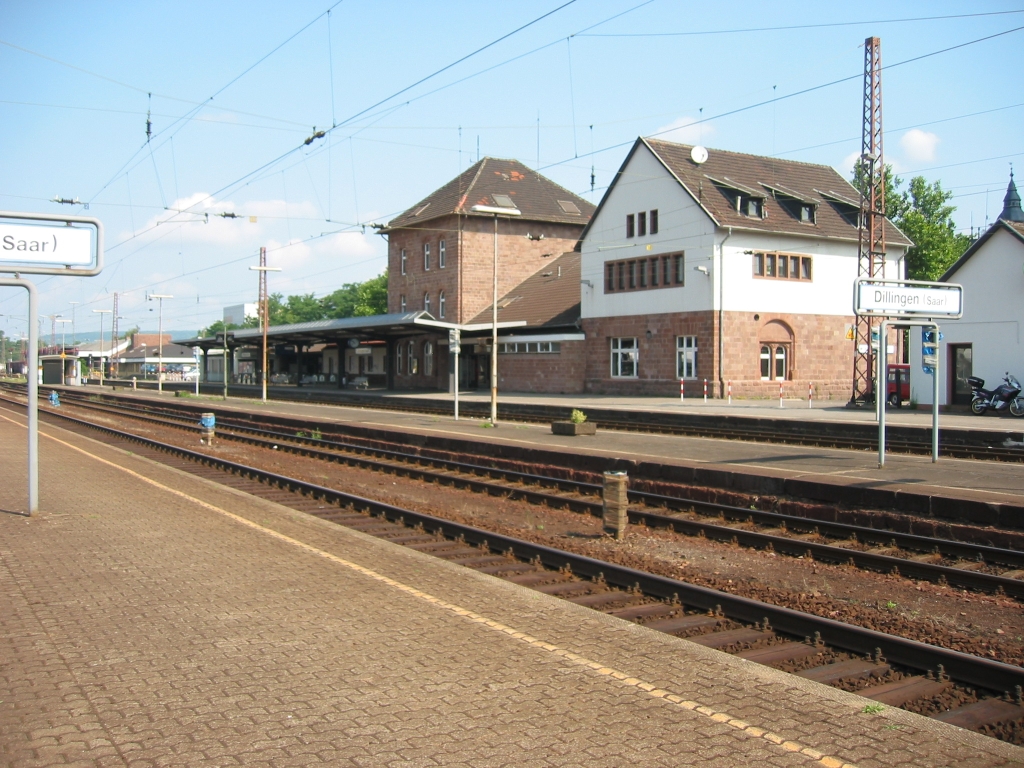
[(1006, 395)]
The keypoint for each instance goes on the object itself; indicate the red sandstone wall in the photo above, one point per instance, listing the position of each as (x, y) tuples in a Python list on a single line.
[(518, 258), (560, 374)]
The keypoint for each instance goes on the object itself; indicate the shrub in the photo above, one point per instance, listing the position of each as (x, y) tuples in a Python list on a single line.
[(577, 416)]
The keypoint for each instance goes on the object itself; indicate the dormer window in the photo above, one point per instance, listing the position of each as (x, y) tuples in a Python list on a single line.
[(801, 207), (745, 200), (846, 207), (751, 206)]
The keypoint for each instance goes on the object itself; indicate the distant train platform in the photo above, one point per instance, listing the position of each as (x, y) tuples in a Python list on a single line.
[(154, 618), (836, 473)]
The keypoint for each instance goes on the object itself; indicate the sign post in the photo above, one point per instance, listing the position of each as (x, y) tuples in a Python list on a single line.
[(41, 244), (906, 303), (454, 348)]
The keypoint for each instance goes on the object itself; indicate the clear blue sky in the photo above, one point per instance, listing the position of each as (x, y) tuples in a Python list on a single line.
[(595, 74)]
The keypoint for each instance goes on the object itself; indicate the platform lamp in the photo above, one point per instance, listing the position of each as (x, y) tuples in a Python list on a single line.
[(496, 211), (101, 313), (160, 339), (265, 311)]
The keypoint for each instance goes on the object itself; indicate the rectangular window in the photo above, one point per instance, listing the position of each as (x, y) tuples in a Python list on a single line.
[(654, 221), (631, 268), (622, 276), (644, 274), (441, 255), (624, 358), (666, 271), (426, 257), (783, 266), (402, 302), (641, 267), (686, 357), (398, 358), (680, 275), (629, 225), (654, 273), (403, 261), (641, 223), (609, 283)]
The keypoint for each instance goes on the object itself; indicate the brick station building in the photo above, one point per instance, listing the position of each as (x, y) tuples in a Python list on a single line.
[(726, 267), (441, 261)]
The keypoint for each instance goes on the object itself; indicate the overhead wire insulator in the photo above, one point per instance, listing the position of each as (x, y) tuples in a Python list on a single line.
[(316, 135)]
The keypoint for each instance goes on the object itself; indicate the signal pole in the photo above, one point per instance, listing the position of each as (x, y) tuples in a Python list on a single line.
[(871, 240)]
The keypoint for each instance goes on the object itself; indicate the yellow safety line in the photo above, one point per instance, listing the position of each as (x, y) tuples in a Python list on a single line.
[(719, 717)]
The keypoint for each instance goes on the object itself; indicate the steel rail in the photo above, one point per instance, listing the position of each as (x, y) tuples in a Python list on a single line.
[(830, 440), (872, 561), (965, 668)]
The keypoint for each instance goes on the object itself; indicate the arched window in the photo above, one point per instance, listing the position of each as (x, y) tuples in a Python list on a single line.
[(426, 257), (440, 302), (402, 259), (402, 302), (426, 302), (411, 357), (766, 362), (441, 255), (428, 358), (398, 358), (774, 362)]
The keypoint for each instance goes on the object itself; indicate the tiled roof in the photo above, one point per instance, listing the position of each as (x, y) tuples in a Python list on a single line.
[(549, 298), (539, 198), (714, 184)]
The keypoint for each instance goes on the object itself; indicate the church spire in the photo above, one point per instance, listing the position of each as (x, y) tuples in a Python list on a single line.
[(1011, 203)]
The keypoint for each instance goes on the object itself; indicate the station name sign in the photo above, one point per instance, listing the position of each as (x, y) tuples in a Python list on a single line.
[(907, 298), (43, 244)]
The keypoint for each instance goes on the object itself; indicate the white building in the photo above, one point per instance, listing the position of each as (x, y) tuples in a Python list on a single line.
[(986, 342), (239, 313), (723, 266)]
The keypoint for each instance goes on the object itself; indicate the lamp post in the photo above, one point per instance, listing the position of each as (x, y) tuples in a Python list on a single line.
[(73, 304), (101, 313), (496, 211), (265, 312), (160, 339)]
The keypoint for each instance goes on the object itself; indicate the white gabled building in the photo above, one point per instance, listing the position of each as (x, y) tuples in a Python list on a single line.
[(723, 266), (987, 341)]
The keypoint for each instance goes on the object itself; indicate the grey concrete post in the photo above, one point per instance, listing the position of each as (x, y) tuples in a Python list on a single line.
[(615, 503)]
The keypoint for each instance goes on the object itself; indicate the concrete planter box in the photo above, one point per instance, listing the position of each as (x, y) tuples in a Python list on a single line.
[(571, 429)]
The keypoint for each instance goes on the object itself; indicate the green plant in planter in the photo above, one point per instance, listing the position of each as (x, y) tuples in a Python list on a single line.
[(577, 416)]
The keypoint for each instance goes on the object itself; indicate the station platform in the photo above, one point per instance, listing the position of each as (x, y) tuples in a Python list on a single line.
[(152, 618), (854, 474)]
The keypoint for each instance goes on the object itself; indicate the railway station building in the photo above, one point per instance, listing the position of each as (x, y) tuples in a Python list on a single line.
[(726, 267)]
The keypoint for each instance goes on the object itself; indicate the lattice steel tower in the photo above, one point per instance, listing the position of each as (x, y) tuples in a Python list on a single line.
[(871, 250)]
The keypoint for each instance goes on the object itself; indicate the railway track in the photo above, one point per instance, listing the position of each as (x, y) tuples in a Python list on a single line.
[(656, 424), (964, 565), (888, 669)]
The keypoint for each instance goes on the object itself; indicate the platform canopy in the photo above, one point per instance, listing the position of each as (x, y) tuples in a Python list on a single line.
[(371, 328)]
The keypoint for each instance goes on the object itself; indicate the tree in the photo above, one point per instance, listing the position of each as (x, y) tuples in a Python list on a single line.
[(922, 213), (341, 303), (217, 327), (373, 296), (927, 220)]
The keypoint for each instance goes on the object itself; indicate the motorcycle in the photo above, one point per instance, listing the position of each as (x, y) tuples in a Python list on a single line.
[(1006, 395)]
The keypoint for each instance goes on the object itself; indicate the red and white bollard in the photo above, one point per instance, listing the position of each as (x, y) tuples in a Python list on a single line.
[(780, 394), (730, 393), (705, 391), (810, 394), (682, 389)]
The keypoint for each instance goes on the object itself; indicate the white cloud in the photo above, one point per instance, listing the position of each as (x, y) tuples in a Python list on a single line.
[(848, 164), (684, 130), (919, 145)]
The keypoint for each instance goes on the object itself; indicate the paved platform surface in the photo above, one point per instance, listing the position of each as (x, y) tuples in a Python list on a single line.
[(986, 481), (151, 618)]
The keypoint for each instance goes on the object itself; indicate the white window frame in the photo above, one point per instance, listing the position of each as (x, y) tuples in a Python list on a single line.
[(440, 304), (625, 357), (402, 260), (411, 358), (686, 357), (401, 302), (428, 358), (399, 351), (441, 259), (776, 353), (426, 257), (426, 302)]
